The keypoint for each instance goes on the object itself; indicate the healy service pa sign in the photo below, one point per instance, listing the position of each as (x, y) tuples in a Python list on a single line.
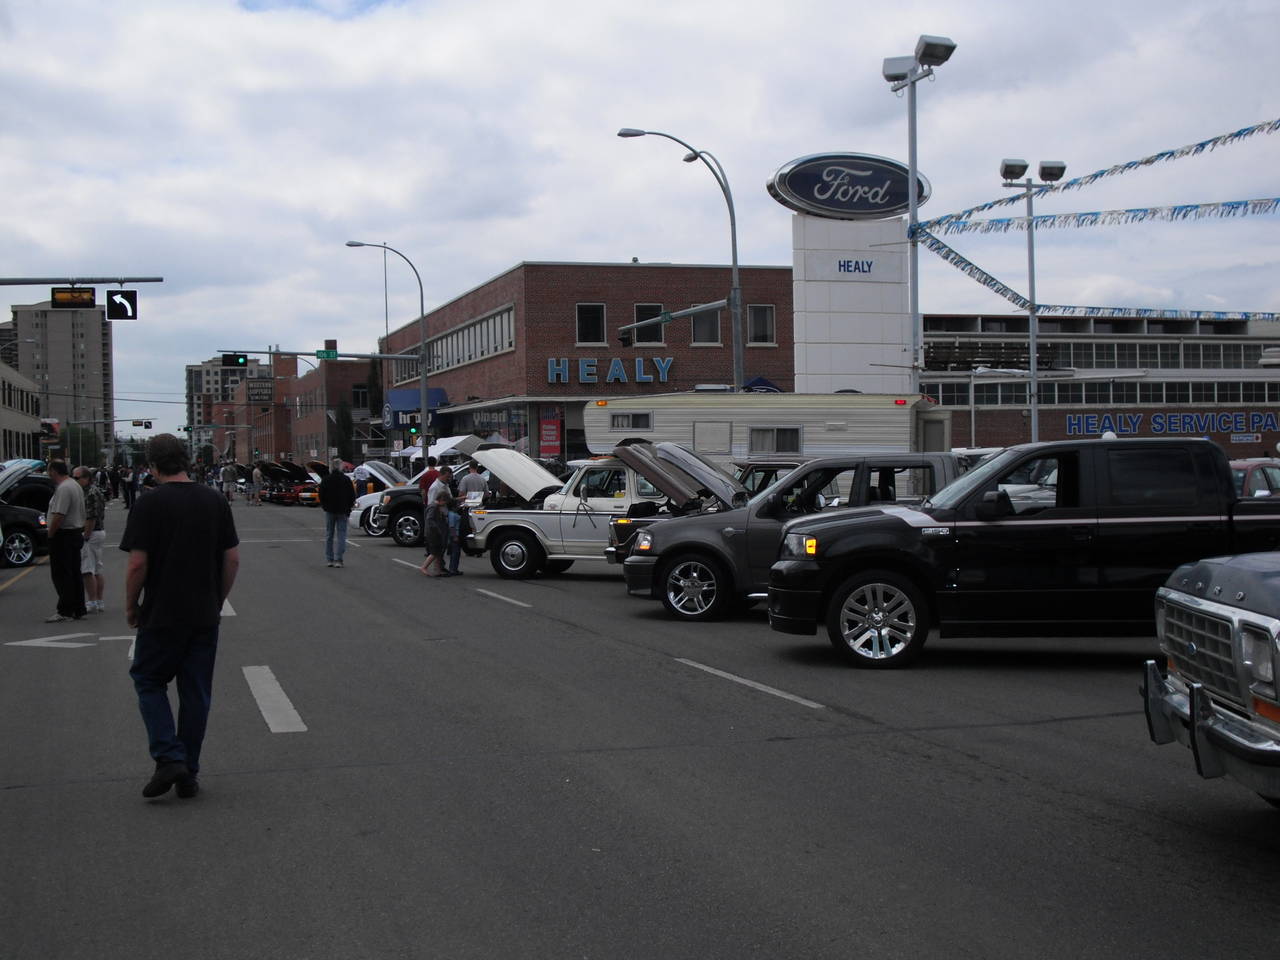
[(846, 186)]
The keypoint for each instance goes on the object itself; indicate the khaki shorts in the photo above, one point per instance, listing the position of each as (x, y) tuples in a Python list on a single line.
[(91, 553)]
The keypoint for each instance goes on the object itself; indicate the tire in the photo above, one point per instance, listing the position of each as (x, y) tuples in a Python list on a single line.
[(516, 556), (406, 529), (878, 619), (557, 566), (373, 523), (695, 588), (19, 549)]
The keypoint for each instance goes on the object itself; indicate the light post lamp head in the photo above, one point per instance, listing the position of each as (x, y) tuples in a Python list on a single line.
[(631, 132), (356, 243), (934, 51), (1013, 169), (1051, 171), (897, 69)]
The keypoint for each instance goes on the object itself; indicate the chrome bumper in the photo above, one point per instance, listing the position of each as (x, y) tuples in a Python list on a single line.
[(1223, 743)]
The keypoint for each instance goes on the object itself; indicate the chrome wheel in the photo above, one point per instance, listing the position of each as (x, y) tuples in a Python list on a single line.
[(878, 619), (374, 522), (694, 588), (19, 549), (517, 557), (407, 530)]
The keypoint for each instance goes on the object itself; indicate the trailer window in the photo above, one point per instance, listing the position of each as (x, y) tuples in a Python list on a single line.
[(765, 440)]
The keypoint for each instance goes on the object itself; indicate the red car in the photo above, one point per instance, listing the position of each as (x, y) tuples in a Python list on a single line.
[(1259, 477)]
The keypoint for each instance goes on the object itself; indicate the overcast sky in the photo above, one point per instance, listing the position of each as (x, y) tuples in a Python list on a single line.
[(232, 148)]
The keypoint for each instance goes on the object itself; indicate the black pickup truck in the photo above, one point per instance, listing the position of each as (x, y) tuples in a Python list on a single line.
[(1051, 539)]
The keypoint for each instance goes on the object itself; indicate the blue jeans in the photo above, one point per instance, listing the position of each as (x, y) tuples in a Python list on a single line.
[(335, 536), (161, 655), (455, 555)]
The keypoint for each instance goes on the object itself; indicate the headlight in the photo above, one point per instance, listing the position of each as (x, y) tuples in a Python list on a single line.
[(797, 546), (386, 498), (644, 540), (1258, 650)]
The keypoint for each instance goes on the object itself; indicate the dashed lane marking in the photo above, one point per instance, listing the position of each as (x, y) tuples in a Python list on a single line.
[(772, 691), (498, 596), (227, 610), (273, 702)]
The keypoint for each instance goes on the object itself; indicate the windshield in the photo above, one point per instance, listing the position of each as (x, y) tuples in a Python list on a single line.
[(950, 496)]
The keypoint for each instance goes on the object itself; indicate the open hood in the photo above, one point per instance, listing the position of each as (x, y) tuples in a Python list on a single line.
[(386, 473), (318, 467), (679, 473), (293, 472), (11, 471), (518, 471), (273, 471)]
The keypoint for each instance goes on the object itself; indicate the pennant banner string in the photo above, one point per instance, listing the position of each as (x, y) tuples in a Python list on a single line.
[(1192, 149), (1102, 218), (972, 270)]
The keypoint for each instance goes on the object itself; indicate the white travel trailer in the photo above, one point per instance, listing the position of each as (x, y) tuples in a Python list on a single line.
[(728, 427)]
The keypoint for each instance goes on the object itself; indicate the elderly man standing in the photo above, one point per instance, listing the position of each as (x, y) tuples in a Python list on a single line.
[(66, 536), (337, 497)]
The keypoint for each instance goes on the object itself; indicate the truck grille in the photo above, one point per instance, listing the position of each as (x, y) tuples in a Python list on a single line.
[(1200, 647)]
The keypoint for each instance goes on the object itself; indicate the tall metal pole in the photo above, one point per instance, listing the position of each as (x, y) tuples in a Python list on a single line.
[(422, 348), (735, 288), (913, 245), (1033, 320)]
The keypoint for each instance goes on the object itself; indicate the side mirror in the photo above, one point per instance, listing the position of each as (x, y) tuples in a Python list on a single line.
[(820, 501), (995, 505)]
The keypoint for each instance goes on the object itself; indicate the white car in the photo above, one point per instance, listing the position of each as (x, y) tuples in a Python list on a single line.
[(365, 514)]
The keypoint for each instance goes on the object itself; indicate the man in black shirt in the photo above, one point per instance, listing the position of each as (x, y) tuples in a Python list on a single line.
[(183, 557), (337, 497)]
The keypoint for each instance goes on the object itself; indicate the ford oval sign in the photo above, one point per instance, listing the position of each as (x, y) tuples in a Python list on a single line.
[(846, 186)]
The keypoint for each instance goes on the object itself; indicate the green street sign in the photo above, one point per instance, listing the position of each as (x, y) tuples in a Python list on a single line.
[(326, 354)]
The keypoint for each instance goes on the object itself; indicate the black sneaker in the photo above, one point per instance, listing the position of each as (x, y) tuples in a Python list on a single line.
[(166, 775), (187, 787)]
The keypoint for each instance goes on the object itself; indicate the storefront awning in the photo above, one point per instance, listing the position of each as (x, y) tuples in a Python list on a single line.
[(403, 401)]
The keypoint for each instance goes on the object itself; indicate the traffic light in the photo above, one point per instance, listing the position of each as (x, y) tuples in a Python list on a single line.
[(413, 431), (235, 360)]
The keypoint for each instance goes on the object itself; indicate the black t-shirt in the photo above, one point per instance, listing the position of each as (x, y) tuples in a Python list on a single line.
[(185, 528)]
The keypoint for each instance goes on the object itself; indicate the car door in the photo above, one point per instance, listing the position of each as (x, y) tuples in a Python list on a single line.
[(806, 491), (599, 494), (1158, 507), (1021, 559)]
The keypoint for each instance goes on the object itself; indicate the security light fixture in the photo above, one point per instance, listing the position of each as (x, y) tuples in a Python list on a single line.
[(1052, 171), (934, 51), (897, 69), (1013, 169)]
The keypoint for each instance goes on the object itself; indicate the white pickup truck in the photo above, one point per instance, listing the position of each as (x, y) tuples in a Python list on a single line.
[(572, 521)]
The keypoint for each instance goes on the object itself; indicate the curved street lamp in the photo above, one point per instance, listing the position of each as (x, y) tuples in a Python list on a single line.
[(422, 333), (735, 289)]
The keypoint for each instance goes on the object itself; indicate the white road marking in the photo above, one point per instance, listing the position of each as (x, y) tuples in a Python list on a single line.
[(774, 691), (498, 596), (272, 701), (406, 563), (227, 610), (352, 543), (58, 641)]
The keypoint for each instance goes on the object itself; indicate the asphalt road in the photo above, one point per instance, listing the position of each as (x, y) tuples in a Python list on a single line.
[(549, 768)]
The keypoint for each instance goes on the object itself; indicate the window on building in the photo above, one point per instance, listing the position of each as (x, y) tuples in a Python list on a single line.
[(1082, 356), (1229, 391), (1048, 392), (1104, 354), (1097, 392), (1169, 359), (1124, 392), (765, 440), (1232, 356), (1177, 393), (1071, 393), (1253, 392), (1013, 394), (1202, 393), (706, 328), (1148, 355), (1191, 356), (1212, 355), (1126, 355), (760, 324), (1252, 354), (653, 333), (591, 323), (360, 396), (986, 394)]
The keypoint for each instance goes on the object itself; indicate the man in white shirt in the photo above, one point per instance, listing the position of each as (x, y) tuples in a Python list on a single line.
[(66, 536)]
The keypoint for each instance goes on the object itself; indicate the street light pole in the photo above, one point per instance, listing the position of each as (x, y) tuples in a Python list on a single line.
[(735, 287), (422, 333), (906, 72), (1050, 172)]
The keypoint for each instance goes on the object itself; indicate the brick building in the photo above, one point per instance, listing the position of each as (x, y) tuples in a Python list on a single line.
[(520, 355)]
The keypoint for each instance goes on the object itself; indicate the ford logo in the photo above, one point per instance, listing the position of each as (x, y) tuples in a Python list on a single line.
[(846, 186)]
